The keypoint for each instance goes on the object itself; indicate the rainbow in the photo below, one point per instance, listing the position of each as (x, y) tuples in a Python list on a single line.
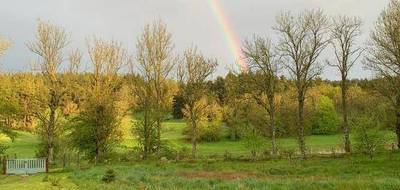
[(230, 35)]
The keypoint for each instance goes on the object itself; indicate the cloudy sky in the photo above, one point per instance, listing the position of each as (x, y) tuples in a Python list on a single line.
[(192, 22)]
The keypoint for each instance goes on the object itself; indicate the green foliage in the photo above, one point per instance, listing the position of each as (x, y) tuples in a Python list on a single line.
[(212, 131), (218, 89), (253, 141), (209, 128), (145, 131), (325, 120), (369, 139), (178, 103), (3, 149), (9, 110), (109, 176), (96, 130)]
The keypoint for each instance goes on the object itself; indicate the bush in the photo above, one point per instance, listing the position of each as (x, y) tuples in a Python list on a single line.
[(209, 130), (178, 103), (3, 149), (54, 181), (167, 151), (288, 153), (254, 142), (325, 120), (368, 138), (109, 176), (145, 131), (183, 153), (211, 133)]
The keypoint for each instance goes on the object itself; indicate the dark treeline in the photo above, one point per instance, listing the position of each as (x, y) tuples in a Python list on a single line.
[(82, 111)]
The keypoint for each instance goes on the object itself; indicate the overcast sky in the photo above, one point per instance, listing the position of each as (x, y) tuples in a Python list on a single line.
[(190, 22)]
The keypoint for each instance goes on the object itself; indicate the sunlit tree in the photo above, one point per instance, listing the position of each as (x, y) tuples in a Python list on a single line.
[(263, 66), (192, 75), (302, 39), (384, 57)]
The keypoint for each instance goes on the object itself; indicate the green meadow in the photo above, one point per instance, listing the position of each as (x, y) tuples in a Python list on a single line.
[(213, 170)]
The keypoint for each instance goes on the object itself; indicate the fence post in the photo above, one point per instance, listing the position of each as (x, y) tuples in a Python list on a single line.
[(47, 165), (4, 161)]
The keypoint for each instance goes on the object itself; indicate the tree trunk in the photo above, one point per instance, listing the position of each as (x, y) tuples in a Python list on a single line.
[(345, 124), (194, 147), (194, 139), (51, 135), (158, 133), (98, 151), (50, 154), (302, 144), (398, 130), (273, 131), (233, 134)]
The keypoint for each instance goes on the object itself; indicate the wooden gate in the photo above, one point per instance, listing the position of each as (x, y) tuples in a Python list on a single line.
[(25, 166)]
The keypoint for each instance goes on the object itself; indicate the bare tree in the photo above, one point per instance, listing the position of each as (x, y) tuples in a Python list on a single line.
[(155, 61), (263, 64), (50, 42), (192, 75), (4, 45), (75, 58), (302, 40), (344, 33), (384, 56)]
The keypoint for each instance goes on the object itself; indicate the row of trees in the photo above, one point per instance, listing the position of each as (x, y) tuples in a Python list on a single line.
[(302, 39), (86, 108)]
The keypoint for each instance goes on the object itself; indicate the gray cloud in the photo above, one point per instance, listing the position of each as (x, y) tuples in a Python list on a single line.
[(190, 22)]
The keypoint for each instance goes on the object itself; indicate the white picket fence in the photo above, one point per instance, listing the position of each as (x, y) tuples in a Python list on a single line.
[(25, 166)]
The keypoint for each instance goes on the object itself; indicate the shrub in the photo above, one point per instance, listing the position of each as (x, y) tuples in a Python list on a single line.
[(209, 129), (227, 155), (325, 120), (254, 142), (3, 149), (183, 153), (109, 176), (145, 131), (368, 138), (210, 133), (178, 103), (288, 153), (54, 181), (167, 151)]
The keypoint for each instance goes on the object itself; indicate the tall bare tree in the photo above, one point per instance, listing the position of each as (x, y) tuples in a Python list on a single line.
[(192, 75), (302, 40), (50, 42), (4, 45), (384, 56), (344, 33), (263, 68), (155, 61)]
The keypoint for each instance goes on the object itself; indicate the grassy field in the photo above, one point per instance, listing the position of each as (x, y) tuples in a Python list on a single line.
[(344, 172), (315, 173)]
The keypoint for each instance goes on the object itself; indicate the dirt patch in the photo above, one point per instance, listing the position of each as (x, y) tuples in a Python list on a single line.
[(224, 175)]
